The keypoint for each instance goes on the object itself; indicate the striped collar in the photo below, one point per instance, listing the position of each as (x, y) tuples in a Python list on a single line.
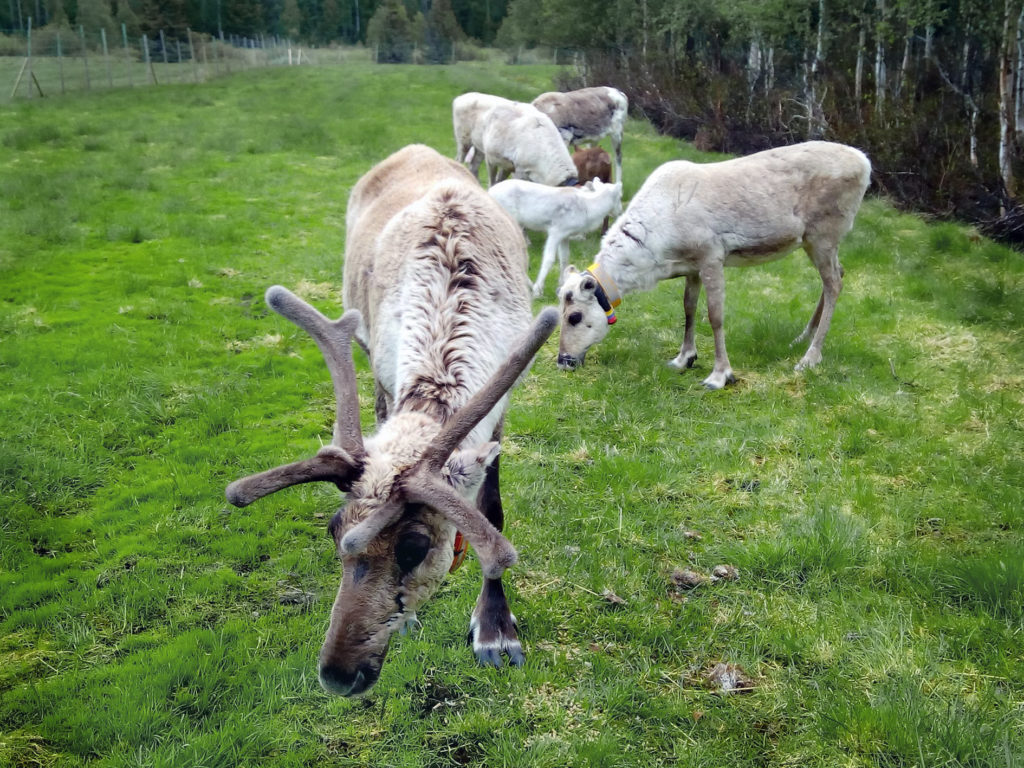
[(607, 292)]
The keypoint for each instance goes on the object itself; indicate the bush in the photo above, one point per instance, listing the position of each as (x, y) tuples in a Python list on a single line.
[(392, 33)]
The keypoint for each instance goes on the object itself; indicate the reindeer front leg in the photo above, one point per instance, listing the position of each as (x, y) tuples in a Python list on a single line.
[(492, 627), (712, 274), (551, 247), (688, 352)]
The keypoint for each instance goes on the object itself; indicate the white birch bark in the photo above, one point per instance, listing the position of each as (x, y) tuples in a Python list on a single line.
[(858, 82), (880, 73), (1007, 91)]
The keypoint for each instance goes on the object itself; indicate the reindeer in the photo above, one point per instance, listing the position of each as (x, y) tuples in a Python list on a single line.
[(561, 212), (694, 220), (434, 292), (587, 115), (515, 139)]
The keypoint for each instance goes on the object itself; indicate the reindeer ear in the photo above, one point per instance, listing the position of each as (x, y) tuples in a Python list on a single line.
[(570, 270), (464, 471)]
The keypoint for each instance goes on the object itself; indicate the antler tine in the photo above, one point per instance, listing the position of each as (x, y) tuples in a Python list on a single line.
[(462, 421), (327, 465), (494, 551), (334, 338)]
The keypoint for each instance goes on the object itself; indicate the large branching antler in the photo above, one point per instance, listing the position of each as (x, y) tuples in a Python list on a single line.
[(342, 461), (462, 421), (495, 552), (423, 486)]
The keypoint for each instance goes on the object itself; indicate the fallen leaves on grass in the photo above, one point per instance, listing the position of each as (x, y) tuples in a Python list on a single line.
[(725, 573), (686, 578), (728, 678), (611, 598)]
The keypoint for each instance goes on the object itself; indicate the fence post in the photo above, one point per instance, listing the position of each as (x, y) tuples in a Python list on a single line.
[(127, 54), (85, 57), (106, 57), (60, 61), (149, 62), (28, 55), (192, 53), (163, 46)]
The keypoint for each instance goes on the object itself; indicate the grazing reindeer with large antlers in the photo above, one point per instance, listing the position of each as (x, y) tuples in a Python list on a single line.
[(435, 292)]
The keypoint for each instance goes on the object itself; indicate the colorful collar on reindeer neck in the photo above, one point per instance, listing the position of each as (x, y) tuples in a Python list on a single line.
[(607, 293)]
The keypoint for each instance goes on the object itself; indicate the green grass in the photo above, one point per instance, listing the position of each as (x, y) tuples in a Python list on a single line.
[(872, 506)]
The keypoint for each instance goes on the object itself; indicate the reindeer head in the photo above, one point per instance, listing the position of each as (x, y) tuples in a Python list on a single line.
[(584, 321), (407, 488)]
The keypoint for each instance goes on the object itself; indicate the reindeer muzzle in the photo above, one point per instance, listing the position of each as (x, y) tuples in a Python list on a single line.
[(345, 682), (572, 181), (568, 362)]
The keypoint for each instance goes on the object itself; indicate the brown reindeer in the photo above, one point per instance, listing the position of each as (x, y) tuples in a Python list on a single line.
[(434, 291), (593, 163)]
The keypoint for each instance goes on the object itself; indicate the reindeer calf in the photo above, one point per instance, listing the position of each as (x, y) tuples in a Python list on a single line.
[(562, 212)]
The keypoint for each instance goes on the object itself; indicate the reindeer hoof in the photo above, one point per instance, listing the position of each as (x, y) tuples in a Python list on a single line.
[(808, 361), (719, 381), (681, 362), (491, 643)]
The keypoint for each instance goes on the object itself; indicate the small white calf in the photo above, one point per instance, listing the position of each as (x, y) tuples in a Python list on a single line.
[(562, 212)]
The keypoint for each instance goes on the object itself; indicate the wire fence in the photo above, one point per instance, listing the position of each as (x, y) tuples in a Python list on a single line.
[(56, 60)]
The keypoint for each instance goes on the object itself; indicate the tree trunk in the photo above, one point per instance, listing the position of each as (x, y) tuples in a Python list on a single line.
[(858, 83), (880, 73), (755, 66), (816, 119), (901, 78), (1018, 120), (1007, 91)]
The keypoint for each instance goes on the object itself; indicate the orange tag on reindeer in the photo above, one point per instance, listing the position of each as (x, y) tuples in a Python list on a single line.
[(461, 549)]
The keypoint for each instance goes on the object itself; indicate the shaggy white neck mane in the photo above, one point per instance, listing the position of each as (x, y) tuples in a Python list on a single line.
[(444, 318)]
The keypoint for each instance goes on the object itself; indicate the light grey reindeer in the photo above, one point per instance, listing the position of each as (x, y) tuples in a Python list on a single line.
[(692, 220), (434, 291)]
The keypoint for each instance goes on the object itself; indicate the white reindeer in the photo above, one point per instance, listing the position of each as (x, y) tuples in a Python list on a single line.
[(691, 221), (587, 115), (513, 138), (434, 293), (562, 212)]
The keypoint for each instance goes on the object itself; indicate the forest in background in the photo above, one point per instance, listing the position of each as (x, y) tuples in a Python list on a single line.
[(930, 90)]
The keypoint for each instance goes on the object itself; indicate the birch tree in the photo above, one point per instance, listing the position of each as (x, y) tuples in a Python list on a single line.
[(1008, 75)]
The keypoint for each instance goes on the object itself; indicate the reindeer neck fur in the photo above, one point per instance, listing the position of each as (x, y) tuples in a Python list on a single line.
[(462, 303), (626, 256)]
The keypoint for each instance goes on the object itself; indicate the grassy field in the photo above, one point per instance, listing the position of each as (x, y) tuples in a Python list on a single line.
[(872, 507)]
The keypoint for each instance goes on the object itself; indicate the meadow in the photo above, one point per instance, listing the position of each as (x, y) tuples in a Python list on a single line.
[(872, 507)]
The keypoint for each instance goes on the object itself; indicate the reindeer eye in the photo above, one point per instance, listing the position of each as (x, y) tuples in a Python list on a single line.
[(411, 550), (575, 318), (588, 285)]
